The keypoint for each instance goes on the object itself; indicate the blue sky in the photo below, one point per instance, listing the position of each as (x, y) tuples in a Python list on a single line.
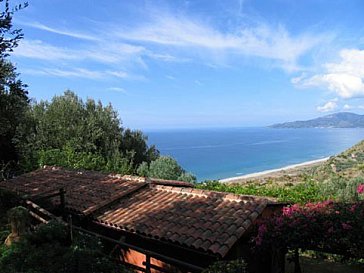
[(197, 63)]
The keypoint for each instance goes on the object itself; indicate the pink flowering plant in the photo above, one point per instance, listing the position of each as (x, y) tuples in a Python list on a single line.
[(327, 226), (360, 189)]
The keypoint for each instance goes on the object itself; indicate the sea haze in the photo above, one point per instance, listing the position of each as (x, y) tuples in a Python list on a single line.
[(222, 153)]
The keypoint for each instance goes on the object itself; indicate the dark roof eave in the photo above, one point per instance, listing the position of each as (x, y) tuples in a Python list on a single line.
[(165, 242)]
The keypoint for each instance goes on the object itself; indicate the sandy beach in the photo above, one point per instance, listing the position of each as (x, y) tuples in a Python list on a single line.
[(287, 170)]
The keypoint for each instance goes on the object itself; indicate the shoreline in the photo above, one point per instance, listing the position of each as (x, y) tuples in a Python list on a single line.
[(274, 172)]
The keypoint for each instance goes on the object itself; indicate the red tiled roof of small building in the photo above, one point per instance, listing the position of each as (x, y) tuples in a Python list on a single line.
[(204, 220)]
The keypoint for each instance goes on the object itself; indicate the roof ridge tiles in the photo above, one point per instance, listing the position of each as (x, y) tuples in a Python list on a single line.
[(227, 196)]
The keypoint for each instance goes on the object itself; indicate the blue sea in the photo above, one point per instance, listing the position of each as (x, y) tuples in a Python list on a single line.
[(222, 153)]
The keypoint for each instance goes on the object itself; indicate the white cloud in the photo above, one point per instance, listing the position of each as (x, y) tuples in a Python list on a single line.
[(327, 107), (78, 73), (197, 82), (117, 89), (353, 107), (167, 38), (115, 53), (66, 73), (167, 57), (345, 77), (170, 77), (347, 107), (118, 74), (69, 33), (36, 49), (273, 43)]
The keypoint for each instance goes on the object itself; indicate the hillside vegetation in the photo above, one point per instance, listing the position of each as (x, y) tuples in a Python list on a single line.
[(348, 164)]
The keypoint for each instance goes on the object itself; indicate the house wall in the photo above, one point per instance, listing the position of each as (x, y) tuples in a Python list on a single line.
[(139, 259)]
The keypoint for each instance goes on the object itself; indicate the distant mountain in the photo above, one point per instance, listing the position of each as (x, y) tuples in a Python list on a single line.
[(338, 120)]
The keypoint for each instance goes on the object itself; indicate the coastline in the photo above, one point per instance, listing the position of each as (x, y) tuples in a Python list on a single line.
[(287, 170)]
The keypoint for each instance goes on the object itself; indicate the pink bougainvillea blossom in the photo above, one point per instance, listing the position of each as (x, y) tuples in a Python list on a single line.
[(346, 226), (360, 188), (324, 225)]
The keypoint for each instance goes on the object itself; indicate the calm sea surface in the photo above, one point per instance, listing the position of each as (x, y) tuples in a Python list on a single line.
[(222, 153)]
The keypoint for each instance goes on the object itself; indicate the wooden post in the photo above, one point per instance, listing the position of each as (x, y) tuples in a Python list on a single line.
[(277, 260), (147, 263), (297, 266), (62, 198), (70, 226)]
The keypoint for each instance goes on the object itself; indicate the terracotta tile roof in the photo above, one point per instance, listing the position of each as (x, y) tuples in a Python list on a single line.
[(85, 190), (204, 220)]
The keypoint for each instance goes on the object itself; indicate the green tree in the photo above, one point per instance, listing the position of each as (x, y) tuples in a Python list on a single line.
[(13, 95), (134, 144), (70, 132), (186, 176), (86, 127), (165, 167)]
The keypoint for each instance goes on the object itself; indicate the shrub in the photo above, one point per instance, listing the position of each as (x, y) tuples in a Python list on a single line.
[(69, 158), (235, 266), (8, 199), (49, 249), (327, 226), (165, 167), (342, 189)]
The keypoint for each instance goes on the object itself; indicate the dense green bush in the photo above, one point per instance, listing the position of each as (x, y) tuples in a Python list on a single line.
[(165, 167), (49, 249), (235, 266), (8, 200), (342, 189), (68, 157)]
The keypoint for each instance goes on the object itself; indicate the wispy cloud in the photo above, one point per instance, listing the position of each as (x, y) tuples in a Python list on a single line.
[(64, 32), (345, 78), (37, 49), (78, 73), (197, 82), (66, 73), (167, 57), (118, 74), (169, 39), (170, 77), (117, 89), (264, 41), (116, 53)]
